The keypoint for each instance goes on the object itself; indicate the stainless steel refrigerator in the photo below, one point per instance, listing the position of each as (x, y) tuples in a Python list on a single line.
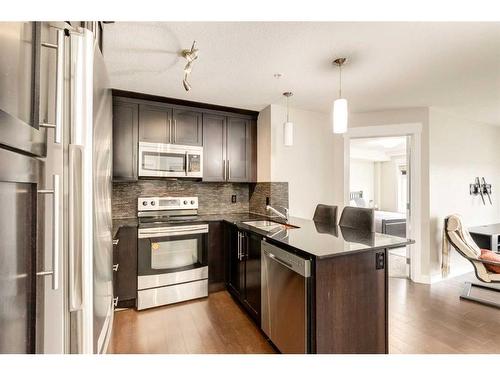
[(55, 181)]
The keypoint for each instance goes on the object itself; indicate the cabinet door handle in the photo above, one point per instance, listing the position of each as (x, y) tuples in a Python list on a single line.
[(241, 237), (228, 170), (169, 130), (224, 170), (175, 130), (56, 198), (238, 245), (59, 47)]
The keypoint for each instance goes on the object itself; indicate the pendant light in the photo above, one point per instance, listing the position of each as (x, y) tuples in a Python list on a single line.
[(340, 109), (288, 125)]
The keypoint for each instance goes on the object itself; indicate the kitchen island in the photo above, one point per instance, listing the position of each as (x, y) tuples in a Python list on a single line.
[(348, 296)]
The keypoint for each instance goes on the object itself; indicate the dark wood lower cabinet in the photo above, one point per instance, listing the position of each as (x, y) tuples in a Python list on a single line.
[(125, 277), (236, 265), (216, 264), (243, 257), (252, 274)]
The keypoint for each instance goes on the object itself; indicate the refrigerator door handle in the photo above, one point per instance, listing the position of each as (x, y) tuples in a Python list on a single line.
[(75, 227), (56, 199), (59, 47)]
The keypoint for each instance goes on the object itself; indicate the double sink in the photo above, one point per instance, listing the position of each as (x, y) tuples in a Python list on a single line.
[(268, 225)]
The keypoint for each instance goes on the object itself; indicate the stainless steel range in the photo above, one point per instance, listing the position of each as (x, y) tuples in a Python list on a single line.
[(172, 252)]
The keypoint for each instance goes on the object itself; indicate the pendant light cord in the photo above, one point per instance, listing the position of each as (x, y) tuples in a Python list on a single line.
[(287, 110), (340, 81)]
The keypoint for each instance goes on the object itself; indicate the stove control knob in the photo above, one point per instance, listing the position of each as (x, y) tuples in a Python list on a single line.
[(185, 202), (144, 203), (152, 203), (192, 202)]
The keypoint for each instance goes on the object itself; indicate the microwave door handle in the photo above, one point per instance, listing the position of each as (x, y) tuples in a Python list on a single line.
[(188, 167)]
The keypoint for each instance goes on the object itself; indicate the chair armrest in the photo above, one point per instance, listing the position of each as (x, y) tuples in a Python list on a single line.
[(484, 261)]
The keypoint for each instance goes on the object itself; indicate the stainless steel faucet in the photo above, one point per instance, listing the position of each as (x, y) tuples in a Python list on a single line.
[(274, 210)]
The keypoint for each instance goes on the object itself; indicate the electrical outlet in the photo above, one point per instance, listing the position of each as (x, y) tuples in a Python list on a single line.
[(233, 198), (379, 261)]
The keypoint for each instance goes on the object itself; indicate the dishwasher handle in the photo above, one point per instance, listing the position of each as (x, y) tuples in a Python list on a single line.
[(287, 259), (282, 262)]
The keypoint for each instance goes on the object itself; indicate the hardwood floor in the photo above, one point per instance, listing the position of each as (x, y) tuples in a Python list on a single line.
[(212, 325), (422, 319), (432, 319)]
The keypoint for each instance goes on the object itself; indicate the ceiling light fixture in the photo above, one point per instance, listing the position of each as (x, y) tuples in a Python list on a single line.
[(340, 110), (190, 55), (288, 125)]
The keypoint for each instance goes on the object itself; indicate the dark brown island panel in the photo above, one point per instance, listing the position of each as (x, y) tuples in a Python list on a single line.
[(350, 308)]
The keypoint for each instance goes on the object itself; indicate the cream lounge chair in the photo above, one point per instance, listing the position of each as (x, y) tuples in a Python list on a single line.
[(459, 238)]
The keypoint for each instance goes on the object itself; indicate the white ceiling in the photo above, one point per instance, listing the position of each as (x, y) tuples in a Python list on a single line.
[(377, 149), (454, 66)]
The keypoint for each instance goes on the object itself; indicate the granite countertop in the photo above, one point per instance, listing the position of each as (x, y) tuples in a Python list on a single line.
[(309, 237), (127, 222), (230, 217), (324, 241)]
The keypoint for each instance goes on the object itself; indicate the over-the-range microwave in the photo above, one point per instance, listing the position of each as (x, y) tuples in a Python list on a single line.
[(169, 160)]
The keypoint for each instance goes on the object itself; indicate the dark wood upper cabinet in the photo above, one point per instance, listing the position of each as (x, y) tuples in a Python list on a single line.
[(229, 148), (238, 145), (187, 127), (125, 135), (155, 123), (229, 139), (214, 147)]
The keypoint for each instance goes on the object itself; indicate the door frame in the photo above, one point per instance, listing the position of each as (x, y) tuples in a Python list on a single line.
[(414, 130)]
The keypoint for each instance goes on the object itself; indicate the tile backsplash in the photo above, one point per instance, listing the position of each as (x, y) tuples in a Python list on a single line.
[(214, 197), (276, 191)]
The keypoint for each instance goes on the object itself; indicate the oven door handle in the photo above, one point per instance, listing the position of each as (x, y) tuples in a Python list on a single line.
[(177, 232)]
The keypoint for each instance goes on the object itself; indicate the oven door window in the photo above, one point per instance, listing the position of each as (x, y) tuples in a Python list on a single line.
[(171, 254), (165, 162)]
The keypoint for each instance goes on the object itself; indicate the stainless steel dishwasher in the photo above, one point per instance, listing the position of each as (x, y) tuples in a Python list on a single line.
[(284, 298)]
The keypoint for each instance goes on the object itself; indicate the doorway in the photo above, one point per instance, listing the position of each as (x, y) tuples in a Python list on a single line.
[(379, 177)]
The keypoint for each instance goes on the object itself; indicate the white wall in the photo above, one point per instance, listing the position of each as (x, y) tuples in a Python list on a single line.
[(307, 165), (389, 183), (460, 150), (264, 145), (362, 177)]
